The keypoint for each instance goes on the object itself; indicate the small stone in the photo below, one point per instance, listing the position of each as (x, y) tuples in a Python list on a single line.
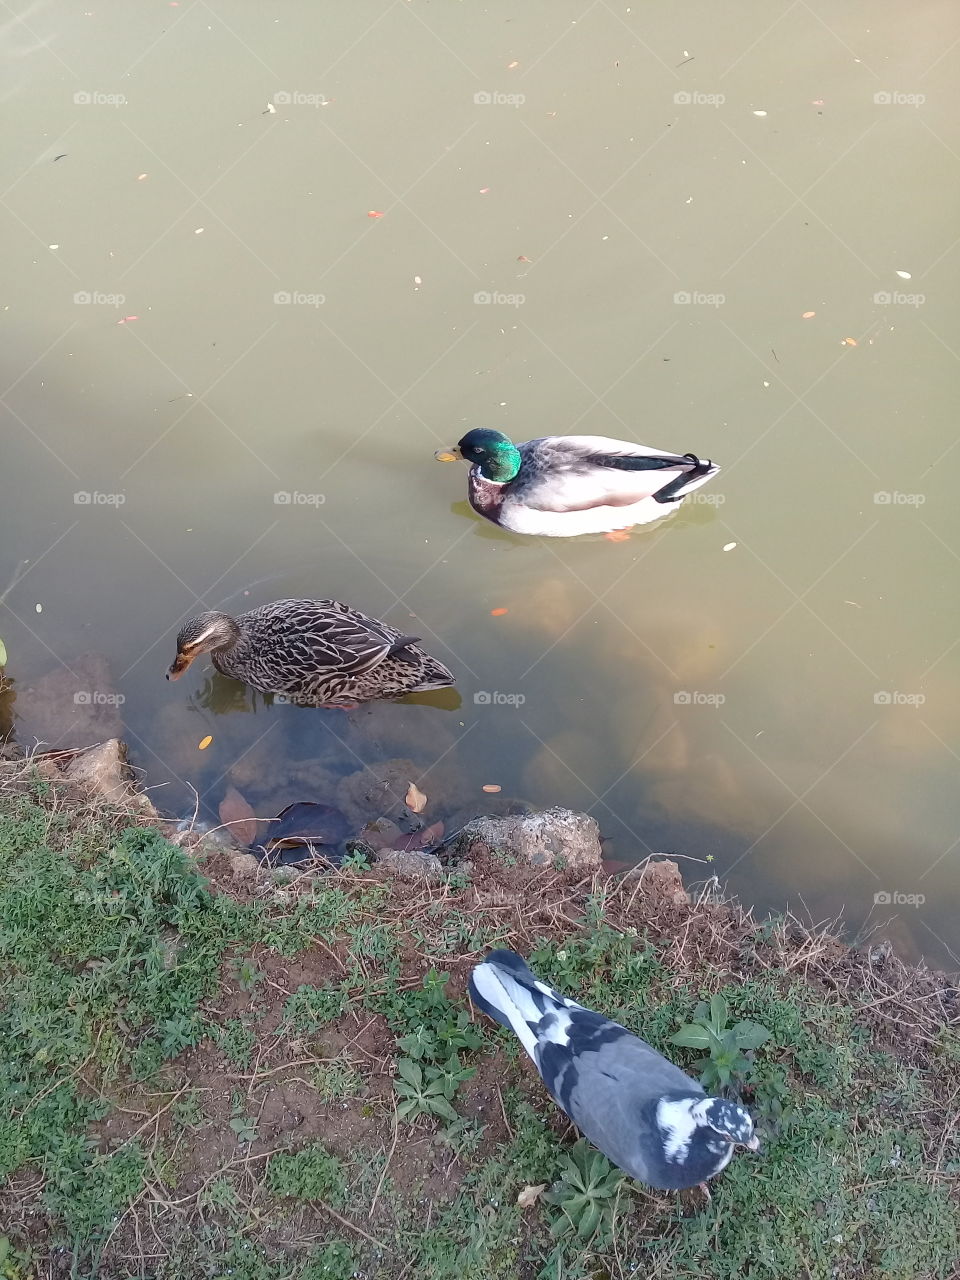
[(411, 864), (244, 866)]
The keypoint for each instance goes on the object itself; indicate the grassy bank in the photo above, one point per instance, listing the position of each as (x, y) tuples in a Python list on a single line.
[(285, 1081)]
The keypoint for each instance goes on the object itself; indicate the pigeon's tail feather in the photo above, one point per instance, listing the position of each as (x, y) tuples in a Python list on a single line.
[(509, 992)]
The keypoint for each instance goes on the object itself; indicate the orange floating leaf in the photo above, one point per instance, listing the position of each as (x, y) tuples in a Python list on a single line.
[(415, 799), (808, 315), (205, 742), (492, 787), (374, 213), (498, 613), (848, 342)]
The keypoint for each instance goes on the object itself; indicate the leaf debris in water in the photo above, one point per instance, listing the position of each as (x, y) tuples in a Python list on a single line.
[(415, 799), (492, 787), (205, 742)]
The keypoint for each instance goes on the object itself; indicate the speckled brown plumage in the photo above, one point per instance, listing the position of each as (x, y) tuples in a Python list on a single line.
[(312, 652)]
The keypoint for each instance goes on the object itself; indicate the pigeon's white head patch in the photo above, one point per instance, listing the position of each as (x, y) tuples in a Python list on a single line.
[(729, 1119), (677, 1122)]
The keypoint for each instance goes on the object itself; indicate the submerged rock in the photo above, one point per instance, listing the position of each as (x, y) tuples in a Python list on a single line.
[(557, 838), (70, 706)]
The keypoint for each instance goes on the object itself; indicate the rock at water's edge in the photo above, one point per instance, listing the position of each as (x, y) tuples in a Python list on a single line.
[(553, 838), (411, 864), (103, 771), (660, 879)]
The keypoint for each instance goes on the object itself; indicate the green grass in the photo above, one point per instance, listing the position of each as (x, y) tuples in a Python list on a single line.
[(145, 1020)]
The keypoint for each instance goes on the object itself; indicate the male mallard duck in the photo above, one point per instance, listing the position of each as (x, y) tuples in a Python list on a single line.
[(313, 652), (559, 486)]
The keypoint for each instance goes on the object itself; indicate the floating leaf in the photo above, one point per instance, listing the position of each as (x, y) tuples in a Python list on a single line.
[(808, 315), (415, 799), (498, 613), (529, 1196), (492, 787), (205, 742), (237, 812), (3, 654)]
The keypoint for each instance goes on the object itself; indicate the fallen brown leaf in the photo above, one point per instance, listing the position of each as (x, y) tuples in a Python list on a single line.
[(415, 799), (236, 811), (529, 1196)]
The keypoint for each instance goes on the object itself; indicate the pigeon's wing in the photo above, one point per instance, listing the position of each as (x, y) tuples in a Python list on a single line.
[(609, 1083)]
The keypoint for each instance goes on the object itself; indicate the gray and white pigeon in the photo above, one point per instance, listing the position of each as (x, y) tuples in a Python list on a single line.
[(644, 1114)]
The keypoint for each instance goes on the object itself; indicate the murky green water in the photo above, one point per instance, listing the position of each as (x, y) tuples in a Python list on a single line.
[(654, 197)]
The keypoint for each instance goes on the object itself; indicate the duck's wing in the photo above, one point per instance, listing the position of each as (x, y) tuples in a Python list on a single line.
[(327, 633), (575, 473)]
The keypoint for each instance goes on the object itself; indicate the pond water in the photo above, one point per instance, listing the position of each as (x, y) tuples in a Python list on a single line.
[(596, 218)]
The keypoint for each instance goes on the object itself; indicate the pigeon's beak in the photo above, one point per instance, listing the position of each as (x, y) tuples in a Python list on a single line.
[(753, 1144), (448, 455)]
